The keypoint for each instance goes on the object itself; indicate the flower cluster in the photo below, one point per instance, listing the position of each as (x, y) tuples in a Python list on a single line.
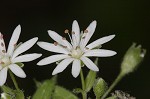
[(77, 51)]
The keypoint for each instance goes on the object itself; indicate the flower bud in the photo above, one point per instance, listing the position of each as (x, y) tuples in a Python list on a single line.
[(121, 95), (100, 88), (132, 58)]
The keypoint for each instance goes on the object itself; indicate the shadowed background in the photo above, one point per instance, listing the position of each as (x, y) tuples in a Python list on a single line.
[(128, 19)]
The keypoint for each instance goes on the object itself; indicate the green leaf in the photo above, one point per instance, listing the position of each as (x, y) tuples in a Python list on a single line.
[(100, 88), (45, 91), (19, 94), (62, 93), (90, 79)]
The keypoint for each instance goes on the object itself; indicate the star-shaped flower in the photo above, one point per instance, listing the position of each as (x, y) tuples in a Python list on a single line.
[(9, 59), (77, 51)]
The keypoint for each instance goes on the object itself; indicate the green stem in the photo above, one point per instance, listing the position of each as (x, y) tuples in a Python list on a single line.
[(14, 80), (84, 95), (120, 76)]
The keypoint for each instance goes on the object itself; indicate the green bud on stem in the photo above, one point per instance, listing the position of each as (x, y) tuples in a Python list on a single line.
[(132, 58)]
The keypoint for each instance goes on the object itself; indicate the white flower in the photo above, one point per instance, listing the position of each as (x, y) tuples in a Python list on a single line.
[(77, 51), (10, 58)]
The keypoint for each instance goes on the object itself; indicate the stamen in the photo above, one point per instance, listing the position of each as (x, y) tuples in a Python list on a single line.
[(64, 46), (84, 34), (86, 48), (77, 47), (3, 51), (55, 43), (85, 31), (66, 31), (83, 37), (73, 32), (70, 37)]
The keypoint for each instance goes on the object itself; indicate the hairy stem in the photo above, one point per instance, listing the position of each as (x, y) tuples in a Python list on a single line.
[(119, 77), (84, 94)]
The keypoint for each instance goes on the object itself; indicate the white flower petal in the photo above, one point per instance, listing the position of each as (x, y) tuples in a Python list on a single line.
[(90, 31), (56, 37), (89, 63), (59, 39), (52, 59), (26, 58), (100, 41), (13, 40), (25, 46), (17, 70), (100, 53), (3, 76), (76, 67), (67, 44), (2, 45), (75, 33), (62, 65), (53, 48)]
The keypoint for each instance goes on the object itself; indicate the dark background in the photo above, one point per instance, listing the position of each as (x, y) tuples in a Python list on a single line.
[(128, 19)]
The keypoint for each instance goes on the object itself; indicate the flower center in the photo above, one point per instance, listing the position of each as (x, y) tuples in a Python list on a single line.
[(76, 53), (4, 61)]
